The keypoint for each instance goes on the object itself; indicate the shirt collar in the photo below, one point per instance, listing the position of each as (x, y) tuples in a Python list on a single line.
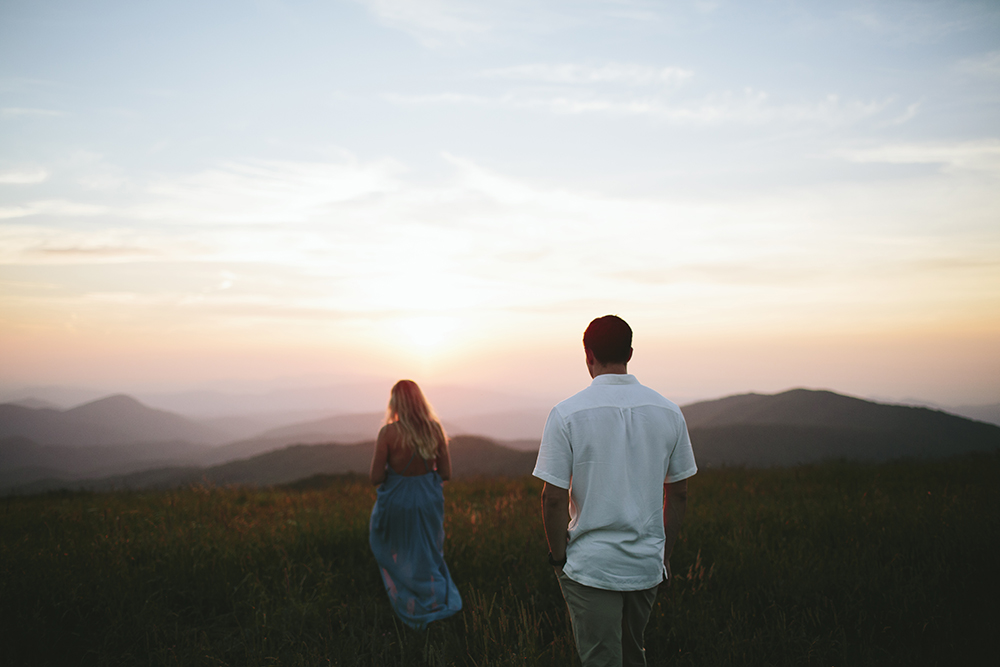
[(614, 378)]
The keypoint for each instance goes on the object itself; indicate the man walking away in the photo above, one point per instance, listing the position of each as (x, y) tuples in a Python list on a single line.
[(616, 458)]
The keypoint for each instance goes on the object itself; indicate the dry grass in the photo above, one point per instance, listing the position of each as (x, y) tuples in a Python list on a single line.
[(838, 564)]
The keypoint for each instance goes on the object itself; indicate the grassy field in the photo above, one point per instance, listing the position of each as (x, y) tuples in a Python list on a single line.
[(837, 564)]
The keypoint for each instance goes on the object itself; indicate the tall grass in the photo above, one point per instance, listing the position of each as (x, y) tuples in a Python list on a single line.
[(838, 564)]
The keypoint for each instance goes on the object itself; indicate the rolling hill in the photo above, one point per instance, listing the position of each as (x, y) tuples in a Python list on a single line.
[(23, 461), (113, 420), (755, 430), (985, 413), (471, 456), (807, 426), (339, 429), (526, 424)]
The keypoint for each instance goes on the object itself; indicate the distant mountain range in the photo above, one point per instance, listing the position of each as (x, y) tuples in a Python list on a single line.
[(471, 456), (22, 461), (984, 413), (119, 442), (807, 426), (115, 420)]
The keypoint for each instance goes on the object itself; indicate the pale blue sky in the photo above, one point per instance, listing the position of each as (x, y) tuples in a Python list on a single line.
[(311, 185)]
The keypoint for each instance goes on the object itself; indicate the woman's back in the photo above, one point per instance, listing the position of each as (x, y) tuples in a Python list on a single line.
[(394, 452), (402, 456)]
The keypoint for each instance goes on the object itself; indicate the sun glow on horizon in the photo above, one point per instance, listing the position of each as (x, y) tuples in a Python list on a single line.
[(428, 334)]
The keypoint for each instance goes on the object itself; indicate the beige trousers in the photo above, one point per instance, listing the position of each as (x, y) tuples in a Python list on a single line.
[(608, 625)]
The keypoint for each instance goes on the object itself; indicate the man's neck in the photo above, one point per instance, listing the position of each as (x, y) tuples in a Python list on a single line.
[(607, 369)]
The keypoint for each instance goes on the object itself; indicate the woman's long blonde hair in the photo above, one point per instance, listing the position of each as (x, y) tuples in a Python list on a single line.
[(415, 417)]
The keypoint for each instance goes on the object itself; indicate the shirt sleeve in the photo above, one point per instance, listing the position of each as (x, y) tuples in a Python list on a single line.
[(555, 455), (681, 464)]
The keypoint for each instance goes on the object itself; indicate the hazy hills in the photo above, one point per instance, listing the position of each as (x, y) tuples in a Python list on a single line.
[(23, 461), (114, 420), (471, 456), (984, 413), (119, 442), (806, 426)]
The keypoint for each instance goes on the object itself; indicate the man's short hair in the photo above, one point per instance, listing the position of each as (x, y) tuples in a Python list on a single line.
[(610, 339)]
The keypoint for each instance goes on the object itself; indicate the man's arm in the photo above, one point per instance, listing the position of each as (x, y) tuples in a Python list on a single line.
[(674, 505), (555, 518)]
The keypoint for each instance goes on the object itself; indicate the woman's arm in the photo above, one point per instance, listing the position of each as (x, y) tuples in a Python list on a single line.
[(377, 473), (444, 461)]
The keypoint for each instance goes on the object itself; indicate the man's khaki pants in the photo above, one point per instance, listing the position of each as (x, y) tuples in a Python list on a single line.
[(608, 625)]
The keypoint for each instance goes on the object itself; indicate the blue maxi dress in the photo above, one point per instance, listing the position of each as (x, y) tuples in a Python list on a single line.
[(406, 534)]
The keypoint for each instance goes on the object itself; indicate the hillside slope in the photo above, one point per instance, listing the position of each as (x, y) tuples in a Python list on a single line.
[(23, 461), (470, 455), (807, 426), (113, 420)]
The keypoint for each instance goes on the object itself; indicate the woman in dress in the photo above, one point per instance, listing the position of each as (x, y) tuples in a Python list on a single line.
[(406, 533)]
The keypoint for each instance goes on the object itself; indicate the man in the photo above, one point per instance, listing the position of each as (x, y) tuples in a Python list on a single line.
[(616, 457)]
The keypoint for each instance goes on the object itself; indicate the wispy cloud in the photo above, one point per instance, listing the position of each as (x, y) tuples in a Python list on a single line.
[(482, 243), (986, 65), (626, 74), (57, 208), (46, 244), (772, 272), (23, 176), (435, 23), (432, 21), (909, 114), (404, 99), (263, 191), (17, 112), (919, 23), (95, 251), (750, 107), (973, 155)]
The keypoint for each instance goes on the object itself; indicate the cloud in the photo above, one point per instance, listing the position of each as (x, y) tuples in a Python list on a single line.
[(432, 21), (57, 208), (986, 66), (972, 155), (435, 23), (438, 98), (751, 107), (763, 272), (632, 75), (98, 252), (495, 252), (906, 116), (40, 243), (24, 176), (915, 23), (17, 112), (262, 191)]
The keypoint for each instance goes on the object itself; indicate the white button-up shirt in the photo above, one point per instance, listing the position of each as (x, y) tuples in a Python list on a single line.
[(613, 445)]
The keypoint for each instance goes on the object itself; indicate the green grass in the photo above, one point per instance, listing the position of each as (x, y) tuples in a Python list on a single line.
[(838, 564)]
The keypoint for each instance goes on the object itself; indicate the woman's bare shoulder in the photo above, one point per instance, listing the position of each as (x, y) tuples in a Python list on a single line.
[(389, 432)]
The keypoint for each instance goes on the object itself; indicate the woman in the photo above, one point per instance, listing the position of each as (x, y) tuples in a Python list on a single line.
[(406, 533)]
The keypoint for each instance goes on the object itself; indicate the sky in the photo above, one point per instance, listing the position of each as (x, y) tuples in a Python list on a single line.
[(773, 194)]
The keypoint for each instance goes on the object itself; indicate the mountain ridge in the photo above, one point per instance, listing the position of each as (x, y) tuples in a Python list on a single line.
[(112, 420), (807, 426), (792, 427), (471, 456)]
